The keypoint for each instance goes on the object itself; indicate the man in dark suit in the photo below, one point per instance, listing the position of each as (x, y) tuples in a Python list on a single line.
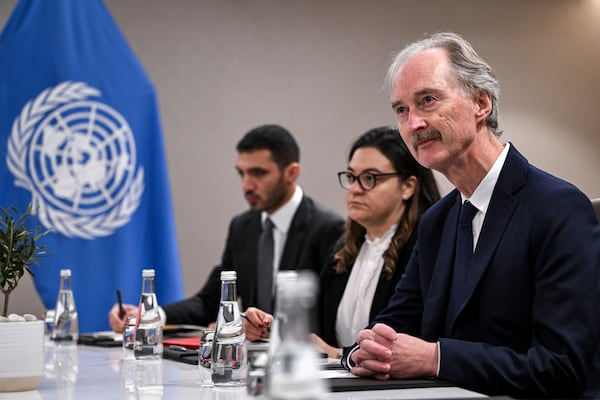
[(523, 319), (304, 231)]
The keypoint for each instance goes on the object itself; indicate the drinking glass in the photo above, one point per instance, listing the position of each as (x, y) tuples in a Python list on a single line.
[(49, 321), (204, 357), (129, 337)]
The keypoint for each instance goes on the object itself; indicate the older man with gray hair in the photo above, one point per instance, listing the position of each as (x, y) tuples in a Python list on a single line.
[(501, 294)]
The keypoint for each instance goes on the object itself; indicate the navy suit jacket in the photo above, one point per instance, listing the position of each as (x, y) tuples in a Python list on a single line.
[(529, 324), (312, 233)]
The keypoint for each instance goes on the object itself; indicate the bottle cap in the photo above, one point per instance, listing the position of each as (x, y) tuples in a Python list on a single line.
[(303, 284), (228, 275), (286, 276), (65, 272), (148, 273)]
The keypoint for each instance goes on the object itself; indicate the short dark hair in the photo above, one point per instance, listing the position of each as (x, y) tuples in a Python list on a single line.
[(275, 138)]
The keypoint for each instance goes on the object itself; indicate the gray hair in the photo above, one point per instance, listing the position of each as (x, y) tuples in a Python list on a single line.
[(470, 71)]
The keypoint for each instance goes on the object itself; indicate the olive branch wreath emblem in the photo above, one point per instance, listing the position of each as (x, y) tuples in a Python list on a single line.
[(68, 224)]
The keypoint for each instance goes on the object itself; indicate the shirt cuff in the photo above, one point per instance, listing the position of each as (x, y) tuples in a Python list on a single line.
[(347, 361), (439, 357)]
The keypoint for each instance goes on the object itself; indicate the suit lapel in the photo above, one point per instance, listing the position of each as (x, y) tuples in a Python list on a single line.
[(295, 237), (436, 302), (497, 218)]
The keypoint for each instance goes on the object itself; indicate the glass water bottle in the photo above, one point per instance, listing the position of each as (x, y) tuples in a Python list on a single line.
[(229, 353), (66, 322), (149, 331), (293, 370)]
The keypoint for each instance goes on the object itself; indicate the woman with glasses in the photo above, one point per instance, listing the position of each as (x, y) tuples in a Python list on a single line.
[(387, 191)]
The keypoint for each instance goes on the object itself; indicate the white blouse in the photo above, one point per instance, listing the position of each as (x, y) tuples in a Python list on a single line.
[(355, 305)]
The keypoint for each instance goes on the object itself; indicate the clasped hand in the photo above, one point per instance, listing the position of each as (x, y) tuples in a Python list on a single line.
[(385, 354)]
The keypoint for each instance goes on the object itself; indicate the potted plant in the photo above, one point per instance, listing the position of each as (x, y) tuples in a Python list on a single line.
[(22, 338)]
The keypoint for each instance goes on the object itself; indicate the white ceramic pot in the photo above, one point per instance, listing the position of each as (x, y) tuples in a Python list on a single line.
[(22, 347)]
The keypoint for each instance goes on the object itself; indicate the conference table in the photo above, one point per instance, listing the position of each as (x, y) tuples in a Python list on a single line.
[(89, 372)]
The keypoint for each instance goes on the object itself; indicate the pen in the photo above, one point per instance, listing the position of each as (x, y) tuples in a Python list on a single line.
[(266, 329), (120, 300)]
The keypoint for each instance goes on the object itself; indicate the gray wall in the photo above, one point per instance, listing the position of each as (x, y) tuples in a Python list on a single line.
[(222, 67)]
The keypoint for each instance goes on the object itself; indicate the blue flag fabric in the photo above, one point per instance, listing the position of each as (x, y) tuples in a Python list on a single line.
[(80, 138)]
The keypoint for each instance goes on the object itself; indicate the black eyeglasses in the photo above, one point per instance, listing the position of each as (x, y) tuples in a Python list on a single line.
[(366, 180)]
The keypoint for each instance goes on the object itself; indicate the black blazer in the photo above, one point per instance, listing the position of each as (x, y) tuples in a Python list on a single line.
[(333, 286), (529, 325), (313, 232)]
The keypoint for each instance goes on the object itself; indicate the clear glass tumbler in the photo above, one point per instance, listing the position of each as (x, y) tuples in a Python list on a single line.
[(48, 322), (204, 357), (129, 337)]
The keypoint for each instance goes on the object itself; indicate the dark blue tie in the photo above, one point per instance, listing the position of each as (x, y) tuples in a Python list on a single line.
[(264, 276), (462, 260)]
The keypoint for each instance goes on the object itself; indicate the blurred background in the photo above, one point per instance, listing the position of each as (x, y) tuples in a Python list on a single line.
[(221, 68)]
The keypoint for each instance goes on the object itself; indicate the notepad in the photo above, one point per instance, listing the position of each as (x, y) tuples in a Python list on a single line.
[(187, 342), (173, 331)]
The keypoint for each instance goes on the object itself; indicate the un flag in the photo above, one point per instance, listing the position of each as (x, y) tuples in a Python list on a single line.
[(80, 138)]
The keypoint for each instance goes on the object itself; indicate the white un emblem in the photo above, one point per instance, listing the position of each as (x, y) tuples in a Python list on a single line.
[(77, 157)]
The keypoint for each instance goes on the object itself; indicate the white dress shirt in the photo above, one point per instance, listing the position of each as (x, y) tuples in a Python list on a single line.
[(483, 194), (355, 306)]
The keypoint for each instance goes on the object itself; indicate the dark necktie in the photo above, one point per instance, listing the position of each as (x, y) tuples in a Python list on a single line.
[(462, 260), (264, 276)]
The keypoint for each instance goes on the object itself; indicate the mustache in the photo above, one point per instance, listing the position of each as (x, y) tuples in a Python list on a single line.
[(426, 134)]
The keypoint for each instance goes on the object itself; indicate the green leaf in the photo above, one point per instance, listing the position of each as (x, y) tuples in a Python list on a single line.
[(18, 248)]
